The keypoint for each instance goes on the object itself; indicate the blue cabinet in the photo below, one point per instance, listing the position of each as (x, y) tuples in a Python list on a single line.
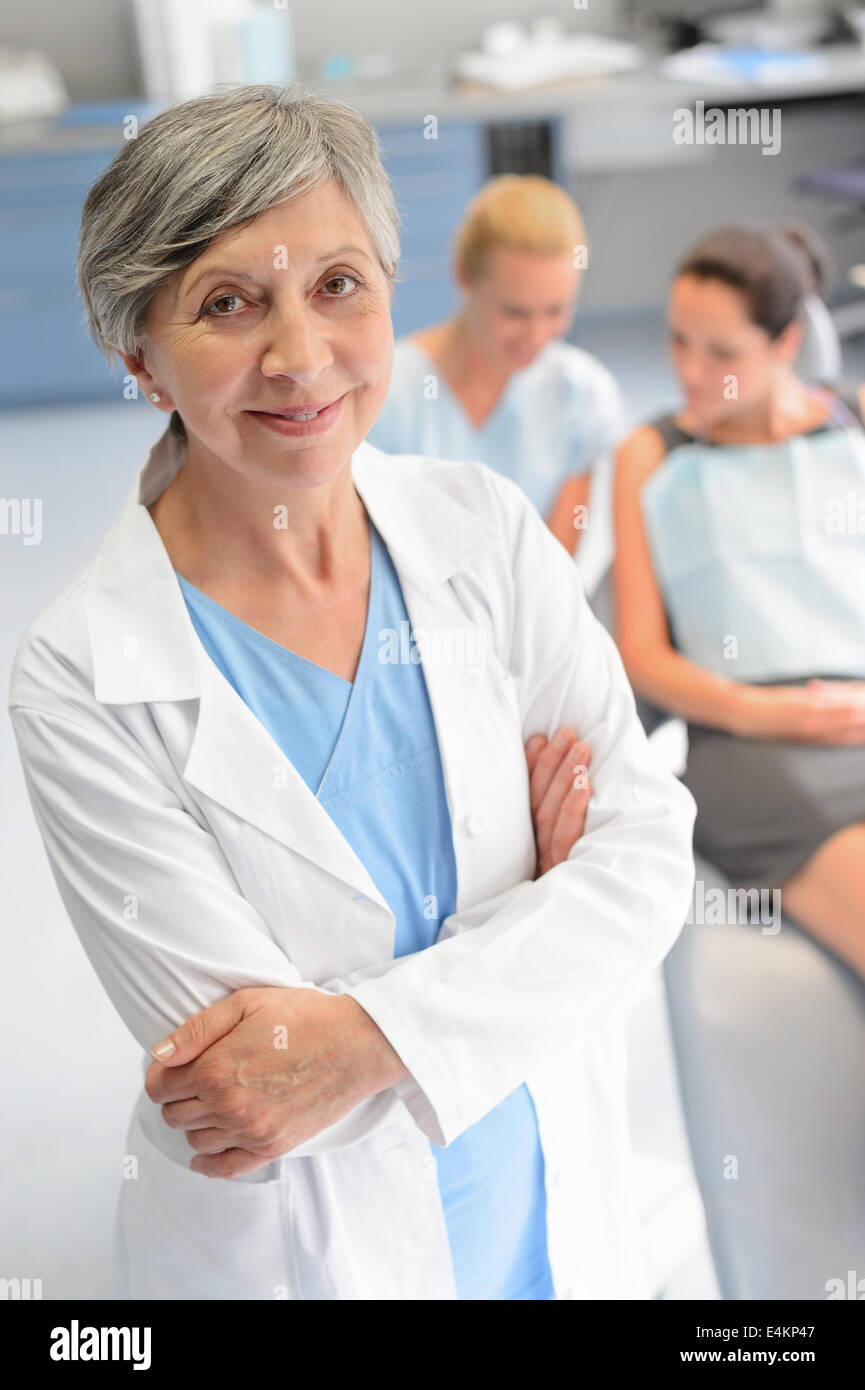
[(433, 179), (46, 352)]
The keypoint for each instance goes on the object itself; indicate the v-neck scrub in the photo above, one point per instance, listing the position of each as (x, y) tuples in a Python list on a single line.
[(368, 751), (555, 418)]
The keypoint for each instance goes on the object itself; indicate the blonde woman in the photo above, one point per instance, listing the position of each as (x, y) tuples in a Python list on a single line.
[(274, 737), (497, 381)]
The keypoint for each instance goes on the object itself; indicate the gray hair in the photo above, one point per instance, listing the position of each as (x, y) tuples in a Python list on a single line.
[(204, 166)]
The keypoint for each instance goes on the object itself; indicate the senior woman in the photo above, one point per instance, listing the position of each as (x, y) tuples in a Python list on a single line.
[(273, 735)]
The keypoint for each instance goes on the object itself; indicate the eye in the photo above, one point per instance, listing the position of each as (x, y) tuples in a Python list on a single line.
[(220, 299), (342, 279)]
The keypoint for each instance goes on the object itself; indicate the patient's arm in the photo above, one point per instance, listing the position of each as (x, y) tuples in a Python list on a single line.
[(655, 669), (562, 520)]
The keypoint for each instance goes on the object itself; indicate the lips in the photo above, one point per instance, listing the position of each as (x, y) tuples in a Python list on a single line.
[(285, 422), (312, 408)]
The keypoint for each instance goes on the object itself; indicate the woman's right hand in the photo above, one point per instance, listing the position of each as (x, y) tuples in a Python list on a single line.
[(818, 712)]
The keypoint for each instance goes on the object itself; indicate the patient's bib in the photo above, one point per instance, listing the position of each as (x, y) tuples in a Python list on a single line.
[(759, 551)]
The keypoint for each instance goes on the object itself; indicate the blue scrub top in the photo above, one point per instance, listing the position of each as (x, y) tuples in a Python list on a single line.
[(368, 751)]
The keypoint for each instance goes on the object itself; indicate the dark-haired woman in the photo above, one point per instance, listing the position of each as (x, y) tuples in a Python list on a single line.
[(740, 583)]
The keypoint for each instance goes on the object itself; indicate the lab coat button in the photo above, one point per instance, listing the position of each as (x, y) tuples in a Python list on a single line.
[(476, 822)]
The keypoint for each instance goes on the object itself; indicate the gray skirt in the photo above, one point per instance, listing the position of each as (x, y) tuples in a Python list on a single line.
[(765, 806)]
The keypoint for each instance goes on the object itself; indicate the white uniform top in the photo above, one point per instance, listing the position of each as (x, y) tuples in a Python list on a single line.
[(194, 860), (561, 416)]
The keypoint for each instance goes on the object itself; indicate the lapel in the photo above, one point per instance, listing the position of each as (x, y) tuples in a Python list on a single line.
[(145, 647)]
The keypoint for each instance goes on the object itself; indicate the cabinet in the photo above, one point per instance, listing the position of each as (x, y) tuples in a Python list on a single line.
[(46, 352)]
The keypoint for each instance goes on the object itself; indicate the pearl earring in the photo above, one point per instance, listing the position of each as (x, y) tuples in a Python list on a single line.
[(155, 396)]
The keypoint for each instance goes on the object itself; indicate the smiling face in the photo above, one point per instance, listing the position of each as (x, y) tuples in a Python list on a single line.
[(725, 362), (288, 312), (522, 301)]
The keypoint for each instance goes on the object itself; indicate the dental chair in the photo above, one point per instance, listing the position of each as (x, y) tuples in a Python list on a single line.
[(768, 1049), (769, 1037), (819, 357)]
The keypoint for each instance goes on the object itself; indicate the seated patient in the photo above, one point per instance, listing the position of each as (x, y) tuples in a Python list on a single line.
[(740, 583), (497, 381)]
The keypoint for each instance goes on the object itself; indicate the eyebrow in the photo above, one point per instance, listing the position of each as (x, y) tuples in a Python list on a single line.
[(242, 275)]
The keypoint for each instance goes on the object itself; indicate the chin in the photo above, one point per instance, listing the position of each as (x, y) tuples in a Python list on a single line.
[(706, 412)]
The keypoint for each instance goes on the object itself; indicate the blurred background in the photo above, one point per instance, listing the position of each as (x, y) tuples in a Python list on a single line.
[(581, 93)]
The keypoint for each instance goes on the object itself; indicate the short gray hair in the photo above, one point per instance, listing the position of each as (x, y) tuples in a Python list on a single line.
[(204, 166)]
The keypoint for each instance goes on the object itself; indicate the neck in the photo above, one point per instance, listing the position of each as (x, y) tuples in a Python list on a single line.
[(786, 409), (218, 522), (467, 353)]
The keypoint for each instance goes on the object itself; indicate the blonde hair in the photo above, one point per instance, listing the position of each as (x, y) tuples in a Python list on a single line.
[(521, 212)]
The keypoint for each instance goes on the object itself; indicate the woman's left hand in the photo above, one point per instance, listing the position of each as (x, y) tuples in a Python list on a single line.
[(279, 1066), (559, 791)]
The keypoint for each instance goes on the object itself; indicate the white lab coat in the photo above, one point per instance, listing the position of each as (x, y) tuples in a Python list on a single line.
[(193, 860)]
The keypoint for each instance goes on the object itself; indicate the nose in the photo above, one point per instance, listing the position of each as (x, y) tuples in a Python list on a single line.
[(546, 327), (689, 369), (296, 345), (544, 335), (535, 337)]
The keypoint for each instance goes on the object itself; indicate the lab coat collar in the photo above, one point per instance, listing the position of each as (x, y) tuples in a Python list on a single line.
[(143, 643), (145, 648)]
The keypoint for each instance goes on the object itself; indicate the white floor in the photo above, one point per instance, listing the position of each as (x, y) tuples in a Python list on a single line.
[(71, 1069)]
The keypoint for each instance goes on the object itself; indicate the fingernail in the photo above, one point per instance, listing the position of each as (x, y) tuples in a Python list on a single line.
[(562, 739), (163, 1049)]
